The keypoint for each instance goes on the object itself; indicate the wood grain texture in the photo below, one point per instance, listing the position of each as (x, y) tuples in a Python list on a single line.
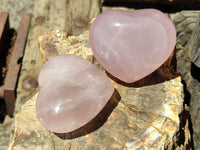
[(185, 25), (5, 131), (194, 44)]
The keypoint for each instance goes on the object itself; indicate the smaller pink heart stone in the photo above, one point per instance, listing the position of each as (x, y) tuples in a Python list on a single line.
[(72, 92), (132, 44)]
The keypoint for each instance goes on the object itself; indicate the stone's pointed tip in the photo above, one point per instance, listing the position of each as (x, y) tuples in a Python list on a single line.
[(132, 44), (72, 92)]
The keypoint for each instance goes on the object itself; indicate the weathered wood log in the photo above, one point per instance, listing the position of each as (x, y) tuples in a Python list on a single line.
[(194, 44), (187, 57), (5, 131)]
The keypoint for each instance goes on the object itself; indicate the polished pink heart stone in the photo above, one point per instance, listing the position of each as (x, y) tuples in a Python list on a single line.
[(72, 92), (132, 44)]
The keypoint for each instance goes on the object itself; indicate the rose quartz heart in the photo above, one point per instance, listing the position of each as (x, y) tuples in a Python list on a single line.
[(132, 44), (72, 92)]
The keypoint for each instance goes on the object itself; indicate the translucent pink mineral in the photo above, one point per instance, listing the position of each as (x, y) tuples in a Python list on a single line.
[(72, 92), (132, 44)]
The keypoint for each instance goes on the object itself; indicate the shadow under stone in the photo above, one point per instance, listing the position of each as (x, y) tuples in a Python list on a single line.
[(195, 72), (2, 110), (162, 74), (165, 6), (180, 135), (165, 72), (95, 123)]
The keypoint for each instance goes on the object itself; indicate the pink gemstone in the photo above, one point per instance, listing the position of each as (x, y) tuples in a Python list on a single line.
[(132, 44), (72, 92)]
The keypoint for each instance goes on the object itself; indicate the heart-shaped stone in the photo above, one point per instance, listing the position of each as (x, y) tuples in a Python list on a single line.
[(132, 44), (72, 92)]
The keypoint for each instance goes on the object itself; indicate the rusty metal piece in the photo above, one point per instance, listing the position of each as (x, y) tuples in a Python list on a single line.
[(4, 30), (15, 64), (1, 91)]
